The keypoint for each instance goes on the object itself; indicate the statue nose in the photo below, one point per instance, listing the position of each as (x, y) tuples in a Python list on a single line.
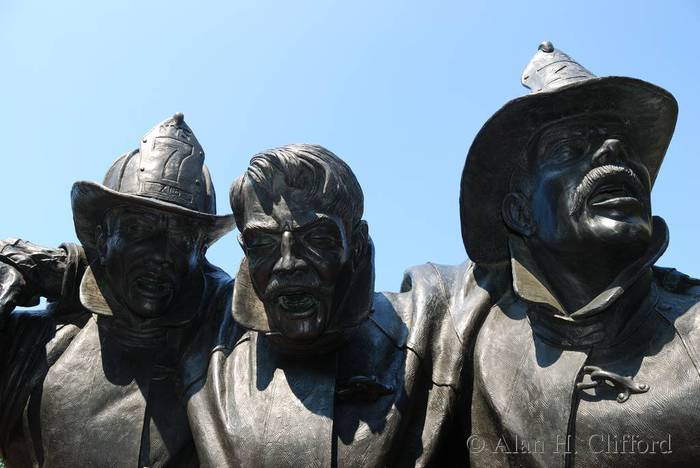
[(610, 151), (288, 260), (160, 249)]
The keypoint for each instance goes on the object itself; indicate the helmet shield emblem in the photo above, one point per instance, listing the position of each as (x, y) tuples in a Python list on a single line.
[(170, 166)]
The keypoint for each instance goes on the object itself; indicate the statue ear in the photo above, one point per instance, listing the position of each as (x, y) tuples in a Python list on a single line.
[(359, 240), (239, 237), (517, 214), (202, 250)]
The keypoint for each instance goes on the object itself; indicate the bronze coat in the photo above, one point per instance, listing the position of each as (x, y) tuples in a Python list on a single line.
[(75, 391), (538, 396), (388, 397)]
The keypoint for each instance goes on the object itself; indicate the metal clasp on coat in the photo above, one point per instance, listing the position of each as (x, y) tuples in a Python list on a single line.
[(362, 387), (624, 385)]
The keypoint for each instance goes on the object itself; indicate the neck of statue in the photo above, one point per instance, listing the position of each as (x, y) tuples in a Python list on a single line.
[(97, 297), (573, 283), (577, 278)]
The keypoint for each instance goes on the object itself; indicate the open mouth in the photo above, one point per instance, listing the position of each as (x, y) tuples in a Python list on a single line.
[(298, 305), (609, 193), (615, 194), (153, 287)]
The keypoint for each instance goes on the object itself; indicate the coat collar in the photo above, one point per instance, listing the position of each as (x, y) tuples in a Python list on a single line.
[(249, 311), (626, 299), (135, 331), (530, 284)]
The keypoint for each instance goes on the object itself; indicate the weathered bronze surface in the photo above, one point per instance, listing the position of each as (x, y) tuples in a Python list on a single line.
[(313, 368), (303, 340), (560, 344), (94, 381), (590, 357)]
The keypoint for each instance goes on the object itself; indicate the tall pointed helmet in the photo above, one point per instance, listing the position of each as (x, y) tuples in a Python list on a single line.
[(166, 173), (560, 89)]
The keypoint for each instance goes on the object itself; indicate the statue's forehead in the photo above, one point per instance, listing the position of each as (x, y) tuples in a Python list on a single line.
[(285, 209), (283, 221), (277, 194)]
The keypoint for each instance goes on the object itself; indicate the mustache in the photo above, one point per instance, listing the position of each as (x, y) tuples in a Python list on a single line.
[(281, 283), (591, 181)]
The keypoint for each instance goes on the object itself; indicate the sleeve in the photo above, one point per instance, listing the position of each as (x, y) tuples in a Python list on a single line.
[(22, 361), (674, 281), (28, 271), (51, 273)]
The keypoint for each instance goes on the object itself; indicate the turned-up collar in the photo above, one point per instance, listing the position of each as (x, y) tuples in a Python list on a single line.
[(133, 331), (249, 311), (625, 296)]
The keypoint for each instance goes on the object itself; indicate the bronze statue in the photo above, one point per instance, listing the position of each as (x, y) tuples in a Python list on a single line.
[(313, 368), (560, 344), (304, 341), (591, 359), (95, 382)]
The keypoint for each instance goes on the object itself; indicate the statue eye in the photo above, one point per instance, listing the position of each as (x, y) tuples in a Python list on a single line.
[(138, 229), (322, 241), (182, 237), (180, 231), (567, 150), (322, 235), (258, 241)]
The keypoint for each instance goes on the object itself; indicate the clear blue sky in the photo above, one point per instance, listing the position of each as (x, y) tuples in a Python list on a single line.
[(396, 88)]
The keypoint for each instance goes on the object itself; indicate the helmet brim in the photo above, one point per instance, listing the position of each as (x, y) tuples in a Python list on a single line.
[(91, 201), (498, 152)]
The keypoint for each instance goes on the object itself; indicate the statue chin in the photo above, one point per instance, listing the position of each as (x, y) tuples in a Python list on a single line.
[(595, 231), (619, 231), (150, 310), (298, 318), (148, 306), (300, 328)]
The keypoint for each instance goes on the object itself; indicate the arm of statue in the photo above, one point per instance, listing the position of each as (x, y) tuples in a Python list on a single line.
[(13, 292), (29, 271)]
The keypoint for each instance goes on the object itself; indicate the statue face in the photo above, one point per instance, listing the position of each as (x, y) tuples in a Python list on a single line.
[(588, 188), (146, 256), (296, 256)]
